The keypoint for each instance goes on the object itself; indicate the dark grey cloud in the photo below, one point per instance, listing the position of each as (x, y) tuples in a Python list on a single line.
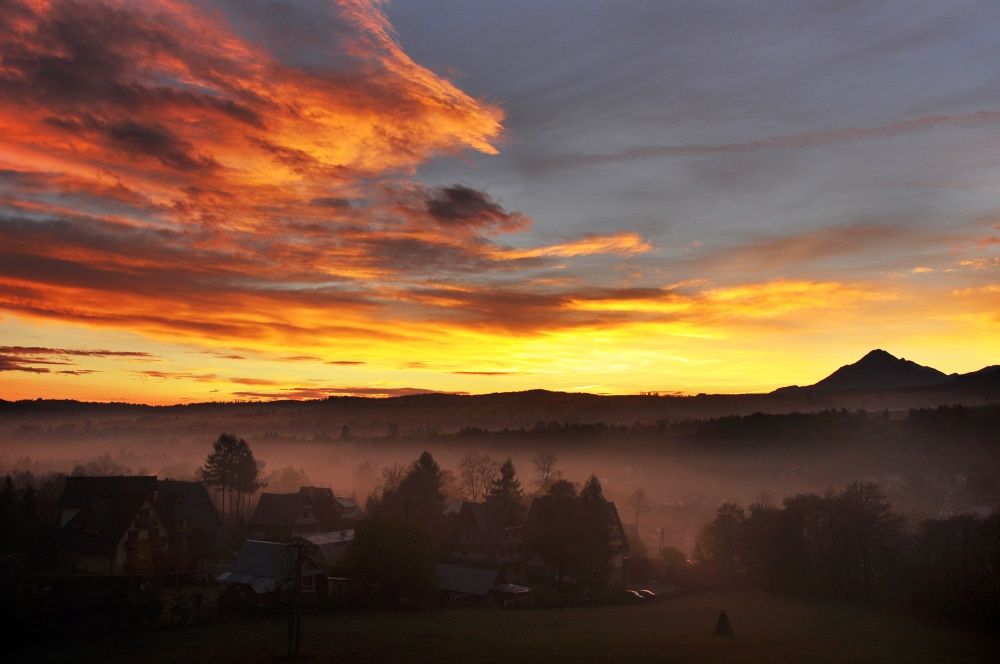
[(299, 393), (462, 206)]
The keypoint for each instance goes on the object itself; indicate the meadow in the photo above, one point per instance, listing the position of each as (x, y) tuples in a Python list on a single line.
[(768, 628)]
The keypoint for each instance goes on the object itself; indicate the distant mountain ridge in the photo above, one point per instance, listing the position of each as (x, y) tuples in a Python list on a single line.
[(878, 381), (881, 370)]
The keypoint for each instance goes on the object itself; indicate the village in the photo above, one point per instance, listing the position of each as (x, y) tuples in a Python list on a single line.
[(224, 546), (104, 552)]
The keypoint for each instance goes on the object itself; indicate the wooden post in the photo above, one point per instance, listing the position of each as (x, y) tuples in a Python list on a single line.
[(299, 549)]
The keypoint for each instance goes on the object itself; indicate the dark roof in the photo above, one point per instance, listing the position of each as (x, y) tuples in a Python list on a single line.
[(100, 526), (191, 501), (107, 505), (466, 580), (351, 511), (489, 518), (616, 525), (81, 491), (541, 504), (324, 504), (332, 544), (267, 566), (281, 509)]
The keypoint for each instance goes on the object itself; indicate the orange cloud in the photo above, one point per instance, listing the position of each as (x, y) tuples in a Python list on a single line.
[(624, 243)]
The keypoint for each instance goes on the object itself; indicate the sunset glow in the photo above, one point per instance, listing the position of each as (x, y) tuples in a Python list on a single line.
[(202, 202)]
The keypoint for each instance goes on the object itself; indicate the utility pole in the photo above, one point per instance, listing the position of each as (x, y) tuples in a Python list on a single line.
[(295, 608)]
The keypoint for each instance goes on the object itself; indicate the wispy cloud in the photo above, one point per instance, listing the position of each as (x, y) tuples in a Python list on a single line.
[(28, 358), (324, 392), (810, 139)]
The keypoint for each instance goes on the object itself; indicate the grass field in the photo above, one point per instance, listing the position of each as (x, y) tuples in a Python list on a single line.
[(768, 628)]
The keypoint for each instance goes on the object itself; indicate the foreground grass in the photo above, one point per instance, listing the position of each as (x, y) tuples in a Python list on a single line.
[(768, 628)]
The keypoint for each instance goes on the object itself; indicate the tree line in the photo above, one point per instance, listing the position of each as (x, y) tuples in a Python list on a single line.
[(408, 530), (852, 545), (798, 428)]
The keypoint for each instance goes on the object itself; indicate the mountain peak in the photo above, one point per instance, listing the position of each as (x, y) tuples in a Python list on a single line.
[(878, 354), (880, 370)]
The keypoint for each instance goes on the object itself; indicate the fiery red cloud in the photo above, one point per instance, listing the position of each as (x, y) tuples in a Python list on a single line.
[(168, 173)]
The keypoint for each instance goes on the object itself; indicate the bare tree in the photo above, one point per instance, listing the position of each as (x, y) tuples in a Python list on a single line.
[(765, 500), (477, 472), (390, 479), (639, 503), (545, 466)]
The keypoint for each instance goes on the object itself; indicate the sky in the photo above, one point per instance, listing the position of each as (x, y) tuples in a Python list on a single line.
[(249, 199)]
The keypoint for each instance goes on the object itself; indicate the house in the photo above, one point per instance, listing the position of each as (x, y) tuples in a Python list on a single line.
[(619, 544), (263, 571), (329, 547), (197, 539), (112, 525), (333, 512), (489, 534), (279, 517), (351, 515)]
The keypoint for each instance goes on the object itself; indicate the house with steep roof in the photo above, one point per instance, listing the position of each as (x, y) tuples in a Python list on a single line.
[(279, 517), (619, 544), (350, 513), (325, 506), (112, 525), (197, 539), (489, 534), (334, 512)]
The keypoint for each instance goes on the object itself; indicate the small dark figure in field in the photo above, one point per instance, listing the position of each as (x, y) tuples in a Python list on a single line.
[(722, 625)]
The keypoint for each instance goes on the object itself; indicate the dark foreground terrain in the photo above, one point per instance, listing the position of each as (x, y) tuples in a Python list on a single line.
[(768, 628)]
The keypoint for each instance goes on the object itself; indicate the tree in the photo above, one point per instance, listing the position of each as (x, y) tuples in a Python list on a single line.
[(246, 474), (866, 534), (418, 499), (719, 545), (421, 488), (593, 542), (8, 498), (674, 562), (637, 501), (395, 556), (388, 481), (545, 466), (287, 479), (477, 472), (553, 528), (29, 504), (232, 468), (506, 486), (763, 534), (8, 514)]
